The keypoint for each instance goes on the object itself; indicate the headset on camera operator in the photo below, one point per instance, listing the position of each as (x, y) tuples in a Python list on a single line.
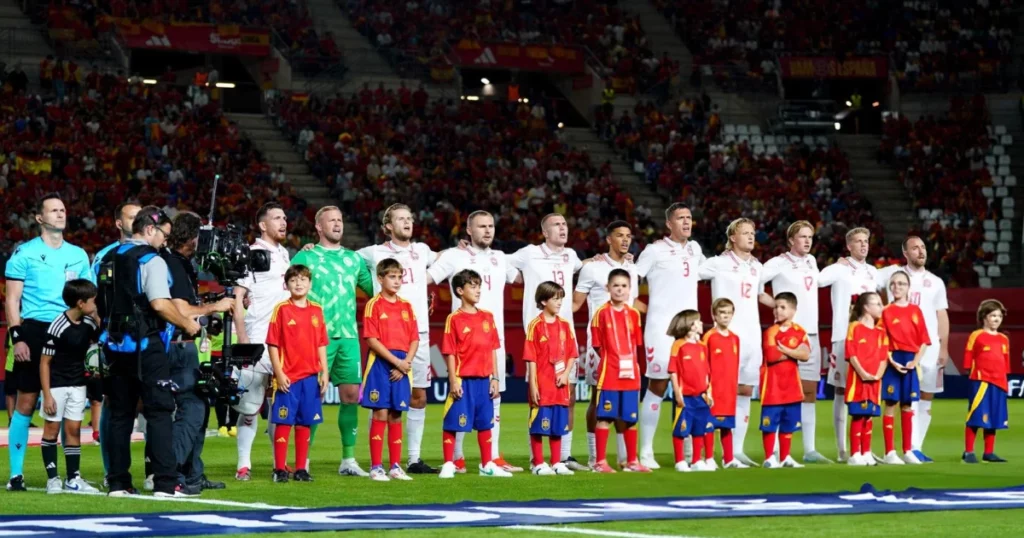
[(190, 418), (138, 315)]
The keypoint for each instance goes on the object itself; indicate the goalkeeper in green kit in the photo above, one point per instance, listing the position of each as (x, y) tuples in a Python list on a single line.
[(337, 271)]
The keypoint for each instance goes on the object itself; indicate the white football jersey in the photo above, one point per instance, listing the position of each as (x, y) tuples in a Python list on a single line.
[(539, 264), (414, 259), (594, 282), (740, 282), (672, 271), (265, 291), (926, 291), (846, 281), (797, 275), (494, 270)]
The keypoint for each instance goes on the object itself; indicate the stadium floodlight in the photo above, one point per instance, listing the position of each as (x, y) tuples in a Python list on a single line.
[(228, 85), (149, 81), (848, 103), (485, 81), (472, 97), (526, 100), (561, 125), (838, 126)]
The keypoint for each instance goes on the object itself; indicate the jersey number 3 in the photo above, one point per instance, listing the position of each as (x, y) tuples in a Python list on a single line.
[(686, 269)]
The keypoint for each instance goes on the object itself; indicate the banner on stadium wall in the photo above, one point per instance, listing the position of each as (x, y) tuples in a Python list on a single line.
[(560, 58), (195, 37), (830, 67)]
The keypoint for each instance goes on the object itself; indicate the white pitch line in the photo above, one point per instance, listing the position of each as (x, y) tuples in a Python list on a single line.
[(193, 500), (592, 532)]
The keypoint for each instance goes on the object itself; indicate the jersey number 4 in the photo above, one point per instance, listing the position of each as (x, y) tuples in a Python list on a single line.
[(487, 281)]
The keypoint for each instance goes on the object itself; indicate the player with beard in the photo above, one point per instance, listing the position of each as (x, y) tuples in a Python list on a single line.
[(265, 290), (927, 291), (495, 272), (551, 260), (736, 275), (337, 272)]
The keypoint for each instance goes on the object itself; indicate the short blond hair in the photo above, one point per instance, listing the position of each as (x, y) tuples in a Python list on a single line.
[(386, 218), (858, 230), (797, 226), (734, 226), (477, 213), (325, 209)]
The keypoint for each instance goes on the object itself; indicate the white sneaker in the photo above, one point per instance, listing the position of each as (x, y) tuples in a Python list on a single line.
[(911, 459), (791, 463), (682, 467), (377, 474), (543, 470), (744, 459), (147, 484), (54, 486), (892, 458), (843, 457), (79, 485), (447, 470), (711, 464), (735, 464), (871, 462), (562, 470), (648, 461), (350, 467), (396, 473), (700, 466), (857, 460), (771, 463), (815, 457), (492, 469)]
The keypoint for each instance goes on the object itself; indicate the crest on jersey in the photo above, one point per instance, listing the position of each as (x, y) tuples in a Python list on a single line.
[(565, 258), (656, 368), (682, 425), (607, 405), (545, 424), (890, 389), (494, 261), (753, 272), (984, 418), (315, 321), (282, 412), (462, 420), (792, 342), (689, 250), (405, 315), (374, 396), (487, 326), (413, 255), (863, 405), (913, 317), (927, 283), (766, 422)]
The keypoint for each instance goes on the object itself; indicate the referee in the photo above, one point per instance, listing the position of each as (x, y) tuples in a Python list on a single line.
[(35, 275)]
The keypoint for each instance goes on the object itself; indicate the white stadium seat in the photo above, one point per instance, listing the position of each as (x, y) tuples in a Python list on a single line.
[(1003, 170), (994, 271), (1004, 160), (987, 192), (794, 139), (1000, 130), (1007, 213), (990, 160), (769, 139), (991, 236), (730, 138), (821, 141), (1006, 140), (985, 282), (809, 140), (742, 129), (988, 246), (1006, 235), (998, 150), (755, 129), (980, 269), (1005, 224), (730, 129), (922, 214), (1002, 192), (756, 140), (1002, 260), (989, 225), (1008, 203), (772, 150), (1003, 247), (745, 138), (997, 181), (1010, 181), (758, 150)]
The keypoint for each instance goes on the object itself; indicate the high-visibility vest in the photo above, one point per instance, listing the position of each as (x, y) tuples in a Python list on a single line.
[(856, 99), (607, 96)]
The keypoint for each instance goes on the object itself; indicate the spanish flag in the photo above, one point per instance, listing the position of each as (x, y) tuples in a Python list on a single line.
[(300, 97), (33, 166)]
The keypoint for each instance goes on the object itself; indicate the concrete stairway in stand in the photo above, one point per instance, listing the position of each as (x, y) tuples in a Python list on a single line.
[(21, 41), (879, 184), (599, 150), (663, 38), (280, 152)]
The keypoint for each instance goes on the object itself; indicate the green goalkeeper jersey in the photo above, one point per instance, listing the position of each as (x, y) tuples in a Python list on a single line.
[(336, 274)]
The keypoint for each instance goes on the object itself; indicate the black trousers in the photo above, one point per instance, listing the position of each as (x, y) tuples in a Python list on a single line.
[(191, 413), (154, 388)]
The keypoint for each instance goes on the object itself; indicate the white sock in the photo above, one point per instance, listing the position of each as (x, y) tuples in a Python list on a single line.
[(809, 422), (592, 446), (839, 422), (459, 437), (566, 446), (414, 423), (247, 425), (650, 412), (922, 420), (620, 439), (270, 434), (140, 423), (688, 448), (496, 430), (742, 420)]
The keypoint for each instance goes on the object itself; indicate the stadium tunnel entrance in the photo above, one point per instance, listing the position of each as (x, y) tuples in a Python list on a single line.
[(859, 101), (522, 86), (232, 83)]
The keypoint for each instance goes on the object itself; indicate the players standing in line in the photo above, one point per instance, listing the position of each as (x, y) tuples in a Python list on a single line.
[(736, 275), (987, 361), (671, 267), (470, 348), (796, 272), (929, 292), (785, 345), (265, 291), (867, 348), (847, 278), (617, 334), (691, 381), (34, 274), (551, 260), (549, 351), (495, 271), (724, 360), (908, 343), (592, 288), (337, 273), (415, 258), (392, 336)]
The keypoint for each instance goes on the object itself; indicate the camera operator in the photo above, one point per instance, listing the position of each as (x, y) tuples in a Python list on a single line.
[(265, 291), (137, 315), (192, 412)]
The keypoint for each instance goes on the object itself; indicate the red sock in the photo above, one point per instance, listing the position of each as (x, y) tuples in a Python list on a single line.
[(727, 452), (698, 447), (865, 440), (856, 434), (709, 445), (768, 439), (301, 446), (785, 443), (448, 446), (555, 444), (395, 435), (888, 432), (281, 434), (601, 436), (484, 440), (377, 428), (970, 435), (630, 437), (677, 447), (907, 429), (990, 441), (537, 449)]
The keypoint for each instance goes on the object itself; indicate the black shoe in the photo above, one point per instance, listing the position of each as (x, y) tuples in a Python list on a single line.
[(16, 483), (418, 467), (205, 484), (280, 475), (302, 475), (969, 457), (992, 458)]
